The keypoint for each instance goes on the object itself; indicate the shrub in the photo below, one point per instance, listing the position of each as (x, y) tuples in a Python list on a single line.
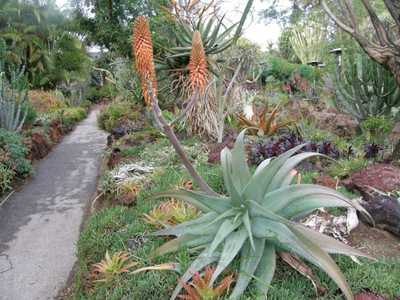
[(107, 91), (46, 101), (6, 177), (376, 128), (73, 115), (283, 70), (115, 111), (345, 167), (12, 144), (31, 113)]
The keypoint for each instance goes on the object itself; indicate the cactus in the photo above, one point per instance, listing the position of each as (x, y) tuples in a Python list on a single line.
[(13, 94), (364, 88)]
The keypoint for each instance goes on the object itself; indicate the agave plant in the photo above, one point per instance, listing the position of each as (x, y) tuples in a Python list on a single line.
[(171, 212), (254, 222), (266, 125), (111, 266)]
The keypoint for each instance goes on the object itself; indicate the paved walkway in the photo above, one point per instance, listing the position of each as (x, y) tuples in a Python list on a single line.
[(39, 225)]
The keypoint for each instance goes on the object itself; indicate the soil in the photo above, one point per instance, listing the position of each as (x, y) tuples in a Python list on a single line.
[(374, 241)]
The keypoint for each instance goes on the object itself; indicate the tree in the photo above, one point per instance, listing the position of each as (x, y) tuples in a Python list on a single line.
[(382, 41), (107, 23)]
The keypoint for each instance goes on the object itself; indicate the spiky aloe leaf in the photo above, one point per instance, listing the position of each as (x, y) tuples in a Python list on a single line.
[(265, 270), (249, 261), (231, 248), (202, 201)]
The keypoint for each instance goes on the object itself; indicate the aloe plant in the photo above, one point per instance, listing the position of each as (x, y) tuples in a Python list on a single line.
[(364, 88), (215, 35), (13, 94), (254, 222)]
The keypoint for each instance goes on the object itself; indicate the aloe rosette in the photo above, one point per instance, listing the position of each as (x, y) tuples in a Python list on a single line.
[(255, 221)]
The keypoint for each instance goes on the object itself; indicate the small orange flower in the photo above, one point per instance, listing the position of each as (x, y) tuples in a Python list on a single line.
[(198, 64), (142, 48)]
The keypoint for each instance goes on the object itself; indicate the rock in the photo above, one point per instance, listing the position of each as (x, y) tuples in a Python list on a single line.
[(338, 123), (383, 177), (345, 125), (384, 209), (325, 180)]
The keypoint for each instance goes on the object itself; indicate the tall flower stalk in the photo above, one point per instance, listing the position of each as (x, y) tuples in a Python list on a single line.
[(198, 73), (142, 47)]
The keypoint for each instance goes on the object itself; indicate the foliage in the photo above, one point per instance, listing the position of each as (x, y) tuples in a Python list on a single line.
[(111, 266), (364, 88), (6, 177), (117, 227), (266, 125), (345, 167), (282, 70), (125, 80), (46, 101), (13, 95), (277, 146), (293, 77), (36, 37), (216, 37), (374, 29), (171, 212), (72, 115), (253, 222), (117, 111), (286, 50), (376, 128), (109, 22), (104, 92), (308, 41), (200, 289), (12, 144)]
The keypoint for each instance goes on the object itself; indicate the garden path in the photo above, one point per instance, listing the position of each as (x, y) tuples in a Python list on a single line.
[(40, 224)]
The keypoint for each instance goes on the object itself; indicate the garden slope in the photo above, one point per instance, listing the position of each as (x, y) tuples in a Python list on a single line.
[(39, 225)]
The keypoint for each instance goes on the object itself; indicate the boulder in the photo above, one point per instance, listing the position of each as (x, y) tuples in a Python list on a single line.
[(383, 177), (338, 123), (384, 209)]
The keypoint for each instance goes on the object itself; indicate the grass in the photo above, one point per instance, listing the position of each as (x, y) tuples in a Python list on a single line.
[(123, 229)]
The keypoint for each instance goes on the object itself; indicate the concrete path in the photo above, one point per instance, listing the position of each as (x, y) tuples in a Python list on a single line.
[(39, 225)]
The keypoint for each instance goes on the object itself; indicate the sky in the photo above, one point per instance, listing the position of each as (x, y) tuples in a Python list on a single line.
[(255, 30)]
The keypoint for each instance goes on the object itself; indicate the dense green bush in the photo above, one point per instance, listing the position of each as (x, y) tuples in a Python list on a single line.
[(114, 112), (73, 115), (6, 177), (107, 91), (31, 113), (283, 70), (376, 128), (12, 144)]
